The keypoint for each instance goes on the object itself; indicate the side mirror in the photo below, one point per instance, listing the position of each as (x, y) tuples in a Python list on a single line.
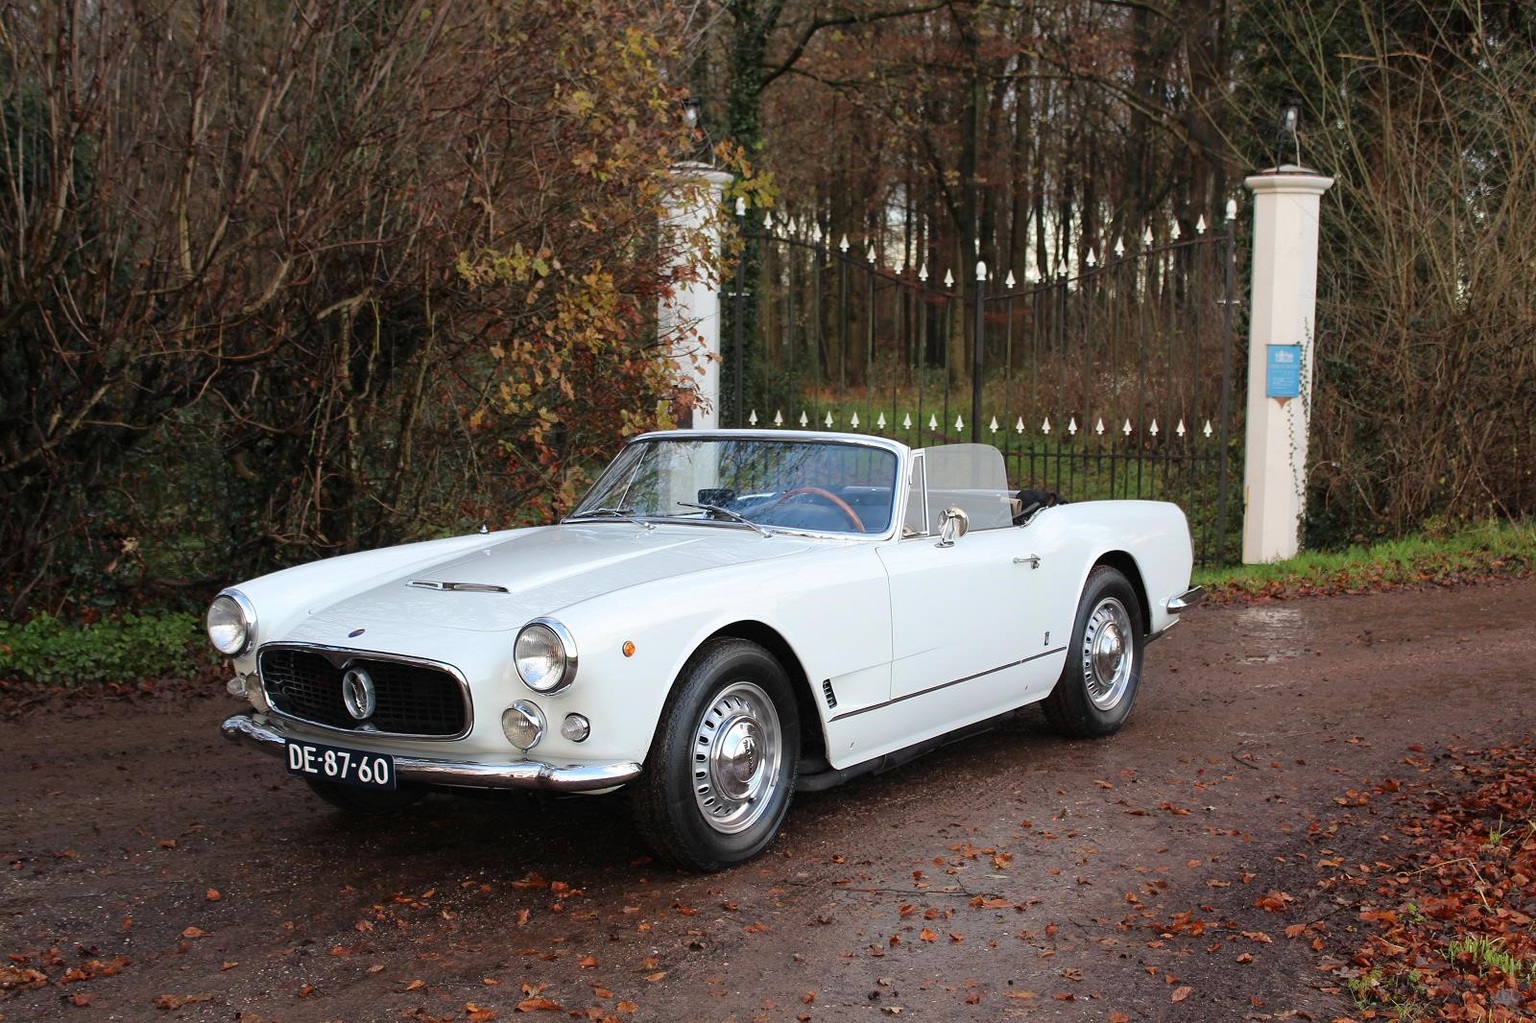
[(953, 524)]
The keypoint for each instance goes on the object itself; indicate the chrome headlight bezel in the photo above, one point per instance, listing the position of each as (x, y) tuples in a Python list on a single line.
[(234, 616), (544, 656)]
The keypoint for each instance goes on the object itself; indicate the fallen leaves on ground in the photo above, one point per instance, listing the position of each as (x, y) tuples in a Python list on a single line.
[(1449, 929)]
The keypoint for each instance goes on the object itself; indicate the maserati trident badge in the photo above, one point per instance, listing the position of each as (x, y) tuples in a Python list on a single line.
[(358, 694)]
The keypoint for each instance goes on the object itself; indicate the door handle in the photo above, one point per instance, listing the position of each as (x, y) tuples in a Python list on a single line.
[(1032, 560)]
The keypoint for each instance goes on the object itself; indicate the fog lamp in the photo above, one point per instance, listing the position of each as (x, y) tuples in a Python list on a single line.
[(523, 724)]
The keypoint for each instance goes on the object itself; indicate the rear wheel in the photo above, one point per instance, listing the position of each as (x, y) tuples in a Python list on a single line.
[(1100, 680), (355, 799), (719, 777)]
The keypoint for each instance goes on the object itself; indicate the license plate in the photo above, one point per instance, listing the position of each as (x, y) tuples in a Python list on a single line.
[(346, 766)]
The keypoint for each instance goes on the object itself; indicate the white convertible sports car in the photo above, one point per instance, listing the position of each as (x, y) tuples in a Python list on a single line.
[(728, 616)]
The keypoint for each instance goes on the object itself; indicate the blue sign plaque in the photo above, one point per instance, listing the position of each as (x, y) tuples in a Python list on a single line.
[(1282, 372)]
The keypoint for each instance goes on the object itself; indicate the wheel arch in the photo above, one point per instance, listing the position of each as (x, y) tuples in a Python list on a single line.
[(1125, 564), (812, 738)]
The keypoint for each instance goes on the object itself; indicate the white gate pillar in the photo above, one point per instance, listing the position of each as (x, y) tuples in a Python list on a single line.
[(1281, 333), (688, 318)]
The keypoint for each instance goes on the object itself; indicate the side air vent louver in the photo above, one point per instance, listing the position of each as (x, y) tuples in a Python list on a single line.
[(827, 694)]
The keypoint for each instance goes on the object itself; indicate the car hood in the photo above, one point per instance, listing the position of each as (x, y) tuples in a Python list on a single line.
[(534, 572)]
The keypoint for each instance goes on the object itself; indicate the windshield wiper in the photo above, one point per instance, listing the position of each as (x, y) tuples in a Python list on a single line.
[(715, 509), (627, 514)]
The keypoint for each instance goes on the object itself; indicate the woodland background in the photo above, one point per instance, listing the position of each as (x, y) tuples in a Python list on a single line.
[(281, 279)]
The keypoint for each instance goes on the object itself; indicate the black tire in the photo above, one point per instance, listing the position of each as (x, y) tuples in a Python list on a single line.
[(719, 777), (1102, 676), (355, 799)]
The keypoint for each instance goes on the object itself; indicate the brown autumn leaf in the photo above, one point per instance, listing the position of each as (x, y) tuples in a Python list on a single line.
[(168, 1003), (13, 977), (927, 935), (194, 932), (1181, 993), (538, 1003), (1275, 901)]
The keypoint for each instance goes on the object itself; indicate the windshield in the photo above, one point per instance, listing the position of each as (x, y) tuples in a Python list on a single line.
[(818, 485)]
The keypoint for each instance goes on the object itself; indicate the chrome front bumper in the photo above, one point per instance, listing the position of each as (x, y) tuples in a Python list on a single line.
[(266, 734)]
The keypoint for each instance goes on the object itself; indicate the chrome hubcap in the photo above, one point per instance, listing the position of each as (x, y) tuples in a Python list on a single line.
[(737, 751), (1108, 653)]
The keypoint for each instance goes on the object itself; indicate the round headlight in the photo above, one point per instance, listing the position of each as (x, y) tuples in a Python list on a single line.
[(231, 623), (545, 656)]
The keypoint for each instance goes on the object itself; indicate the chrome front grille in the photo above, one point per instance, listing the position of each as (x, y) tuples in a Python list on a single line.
[(412, 698)]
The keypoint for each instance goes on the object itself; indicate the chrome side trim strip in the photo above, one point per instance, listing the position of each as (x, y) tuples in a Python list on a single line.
[(945, 685), (519, 774)]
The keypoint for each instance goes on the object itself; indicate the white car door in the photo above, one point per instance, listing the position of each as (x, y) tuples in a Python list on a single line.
[(975, 623)]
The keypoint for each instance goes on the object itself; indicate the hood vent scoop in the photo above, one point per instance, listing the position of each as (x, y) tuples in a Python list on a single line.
[(433, 584)]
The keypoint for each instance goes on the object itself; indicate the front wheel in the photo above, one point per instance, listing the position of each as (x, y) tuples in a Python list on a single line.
[(718, 780), (1099, 682)]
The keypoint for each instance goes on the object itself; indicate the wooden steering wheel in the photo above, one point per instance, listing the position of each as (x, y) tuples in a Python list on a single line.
[(832, 498)]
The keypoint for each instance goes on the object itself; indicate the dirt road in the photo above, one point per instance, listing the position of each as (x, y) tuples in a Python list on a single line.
[(154, 871)]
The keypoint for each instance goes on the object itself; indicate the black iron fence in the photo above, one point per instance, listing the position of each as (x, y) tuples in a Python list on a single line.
[(1114, 383)]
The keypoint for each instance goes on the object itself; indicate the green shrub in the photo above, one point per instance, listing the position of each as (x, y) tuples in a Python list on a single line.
[(51, 652)]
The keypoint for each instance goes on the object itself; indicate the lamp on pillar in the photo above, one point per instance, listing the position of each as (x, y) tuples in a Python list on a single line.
[(693, 118), (1288, 140)]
